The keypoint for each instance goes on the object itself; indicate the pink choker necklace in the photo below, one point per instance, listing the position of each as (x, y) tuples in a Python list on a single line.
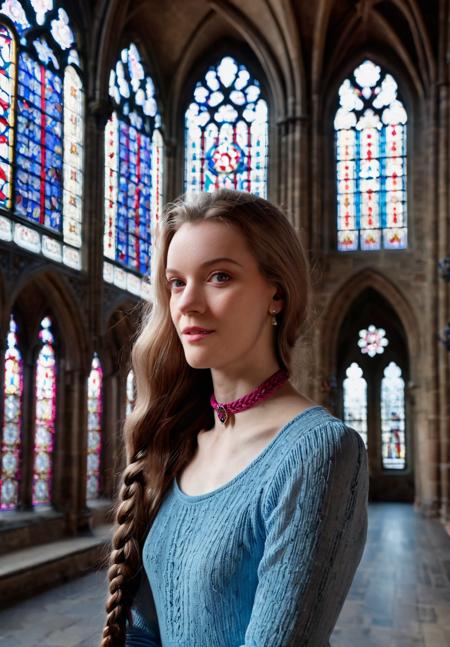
[(262, 392)]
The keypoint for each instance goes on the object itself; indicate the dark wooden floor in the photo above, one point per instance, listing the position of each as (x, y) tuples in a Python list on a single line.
[(400, 596)]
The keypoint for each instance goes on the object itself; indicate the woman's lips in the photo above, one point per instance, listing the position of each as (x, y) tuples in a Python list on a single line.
[(197, 336)]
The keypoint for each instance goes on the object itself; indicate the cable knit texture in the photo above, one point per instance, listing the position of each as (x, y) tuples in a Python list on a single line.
[(265, 560)]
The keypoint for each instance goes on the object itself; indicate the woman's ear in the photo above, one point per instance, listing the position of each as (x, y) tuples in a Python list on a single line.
[(278, 296), (278, 299)]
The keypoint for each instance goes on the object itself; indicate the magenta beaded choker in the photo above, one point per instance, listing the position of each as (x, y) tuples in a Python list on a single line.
[(262, 392)]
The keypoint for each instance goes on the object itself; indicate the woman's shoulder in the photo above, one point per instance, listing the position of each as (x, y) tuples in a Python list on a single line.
[(316, 434), (317, 445)]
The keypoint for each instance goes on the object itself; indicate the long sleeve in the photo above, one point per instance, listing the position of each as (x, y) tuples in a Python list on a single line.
[(315, 516), (143, 629)]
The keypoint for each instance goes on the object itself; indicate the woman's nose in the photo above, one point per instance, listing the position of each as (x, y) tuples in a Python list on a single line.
[(191, 299)]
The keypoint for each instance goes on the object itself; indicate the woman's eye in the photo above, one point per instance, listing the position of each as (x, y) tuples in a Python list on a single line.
[(222, 277), (217, 277), (174, 283)]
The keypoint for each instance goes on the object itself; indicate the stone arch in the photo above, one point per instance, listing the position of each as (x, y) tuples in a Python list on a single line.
[(337, 52), (222, 31), (334, 314), (39, 292), (196, 56), (353, 31), (46, 290)]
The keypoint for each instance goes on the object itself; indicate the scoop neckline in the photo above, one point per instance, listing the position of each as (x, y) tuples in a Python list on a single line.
[(193, 498)]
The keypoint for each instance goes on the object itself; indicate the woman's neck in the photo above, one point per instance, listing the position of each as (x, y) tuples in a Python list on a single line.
[(231, 384)]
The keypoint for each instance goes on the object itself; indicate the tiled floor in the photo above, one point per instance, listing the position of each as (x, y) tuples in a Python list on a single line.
[(400, 596)]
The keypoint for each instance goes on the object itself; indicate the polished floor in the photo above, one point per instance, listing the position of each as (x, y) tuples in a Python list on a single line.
[(400, 596)]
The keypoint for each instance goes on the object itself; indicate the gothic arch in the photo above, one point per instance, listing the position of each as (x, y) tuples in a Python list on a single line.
[(45, 290), (335, 312), (196, 56), (382, 14)]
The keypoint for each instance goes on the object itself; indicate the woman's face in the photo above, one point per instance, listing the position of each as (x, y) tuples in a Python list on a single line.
[(216, 288)]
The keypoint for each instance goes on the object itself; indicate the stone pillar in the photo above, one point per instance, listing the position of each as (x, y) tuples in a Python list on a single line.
[(443, 246), (74, 477)]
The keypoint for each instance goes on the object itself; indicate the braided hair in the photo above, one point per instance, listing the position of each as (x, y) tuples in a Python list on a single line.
[(125, 555)]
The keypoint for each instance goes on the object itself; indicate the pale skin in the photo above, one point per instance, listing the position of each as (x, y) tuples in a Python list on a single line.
[(234, 300)]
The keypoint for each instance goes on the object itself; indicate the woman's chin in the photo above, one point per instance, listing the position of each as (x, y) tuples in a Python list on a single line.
[(197, 362)]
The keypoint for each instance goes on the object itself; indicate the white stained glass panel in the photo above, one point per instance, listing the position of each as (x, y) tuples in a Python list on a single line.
[(95, 408), (355, 400), (393, 418), (131, 392), (73, 156), (45, 415)]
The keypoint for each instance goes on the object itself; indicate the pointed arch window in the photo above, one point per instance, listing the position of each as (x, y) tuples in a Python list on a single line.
[(41, 130), (133, 173), (226, 131), (393, 418), (94, 444), (45, 418), (371, 159), (355, 400), (11, 441)]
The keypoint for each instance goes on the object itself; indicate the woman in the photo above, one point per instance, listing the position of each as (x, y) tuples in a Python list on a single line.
[(243, 508)]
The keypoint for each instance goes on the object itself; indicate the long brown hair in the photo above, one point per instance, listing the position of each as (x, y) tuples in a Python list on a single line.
[(172, 398)]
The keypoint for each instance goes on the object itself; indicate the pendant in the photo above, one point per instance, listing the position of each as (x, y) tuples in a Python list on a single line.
[(222, 414)]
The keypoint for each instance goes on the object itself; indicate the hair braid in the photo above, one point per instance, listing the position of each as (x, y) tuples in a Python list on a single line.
[(125, 555)]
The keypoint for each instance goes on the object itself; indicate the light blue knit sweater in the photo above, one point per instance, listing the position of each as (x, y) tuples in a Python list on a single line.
[(267, 559)]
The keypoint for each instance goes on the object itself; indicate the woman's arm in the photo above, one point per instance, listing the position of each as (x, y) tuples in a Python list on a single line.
[(316, 525), (143, 630)]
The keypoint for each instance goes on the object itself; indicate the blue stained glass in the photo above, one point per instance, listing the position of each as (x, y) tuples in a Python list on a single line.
[(131, 157), (134, 197), (45, 50), (39, 144), (7, 106)]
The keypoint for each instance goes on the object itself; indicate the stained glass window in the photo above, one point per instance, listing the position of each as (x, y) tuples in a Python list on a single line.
[(94, 444), (370, 127), (7, 105), (372, 341), (131, 392), (49, 130), (226, 131), (393, 418), (12, 422), (45, 415), (133, 166), (355, 400)]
